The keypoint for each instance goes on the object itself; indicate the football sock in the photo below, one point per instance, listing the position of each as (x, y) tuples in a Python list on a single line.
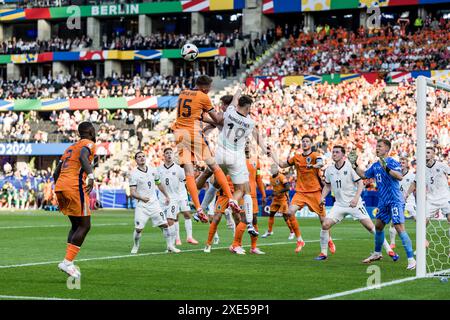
[(379, 239), (211, 233), (188, 227), (71, 252), (271, 221), (240, 229), (177, 230), (192, 188), (167, 236), (137, 237), (407, 244), (295, 227), (386, 245), (248, 207), (254, 239), (324, 238), (223, 182), (172, 234), (392, 234), (209, 197)]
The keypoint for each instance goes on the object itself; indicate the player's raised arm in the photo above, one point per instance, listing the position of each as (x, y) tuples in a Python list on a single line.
[(392, 168), (236, 96), (86, 165), (360, 171)]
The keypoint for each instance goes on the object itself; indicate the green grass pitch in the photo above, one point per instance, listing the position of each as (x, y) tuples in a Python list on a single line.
[(31, 245)]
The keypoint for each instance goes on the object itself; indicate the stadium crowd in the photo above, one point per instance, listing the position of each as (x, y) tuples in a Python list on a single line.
[(353, 114), (18, 46), (87, 86), (337, 50)]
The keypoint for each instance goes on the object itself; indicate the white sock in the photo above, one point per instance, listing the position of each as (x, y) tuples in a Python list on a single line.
[(392, 234), (137, 237), (216, 235), (167, 236), (188, 227), (248, 206), (209, 197), (324, 238), (172, 234), (177, 230)]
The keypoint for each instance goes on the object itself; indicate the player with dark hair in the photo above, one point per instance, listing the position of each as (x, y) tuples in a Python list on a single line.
[(388, 174), (72, 191)]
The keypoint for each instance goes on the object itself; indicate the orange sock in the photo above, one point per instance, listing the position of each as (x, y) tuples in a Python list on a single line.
[(289, 225), (294, 225), (212, 232), (223, 182), (271, 222), (71, 252), (238, 233), (254, 239), (192, 188)]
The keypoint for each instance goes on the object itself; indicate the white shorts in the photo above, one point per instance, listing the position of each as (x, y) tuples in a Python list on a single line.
[(338, 213), (175, 207), (143, 213), (433, 207), (233, 164)]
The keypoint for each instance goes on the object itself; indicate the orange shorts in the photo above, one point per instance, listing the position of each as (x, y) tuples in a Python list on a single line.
[(279, 205), (310, 199), (255, 205), (73, 203), (191, 146), (221, 204)]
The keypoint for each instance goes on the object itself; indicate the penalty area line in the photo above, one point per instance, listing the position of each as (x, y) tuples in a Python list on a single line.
[(382, 285), (141, 255)]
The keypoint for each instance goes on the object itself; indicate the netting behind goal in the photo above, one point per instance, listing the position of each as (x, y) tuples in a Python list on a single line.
[(432, 102)]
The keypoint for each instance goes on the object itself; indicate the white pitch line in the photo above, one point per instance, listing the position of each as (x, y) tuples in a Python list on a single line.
[(386, 284), (138, 255), (31, 298), (64, 225)]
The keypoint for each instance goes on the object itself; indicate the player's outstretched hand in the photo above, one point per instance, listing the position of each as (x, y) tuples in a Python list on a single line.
[(353, 203), (353, 157), (264, 202), (145, 199), (322, 202)]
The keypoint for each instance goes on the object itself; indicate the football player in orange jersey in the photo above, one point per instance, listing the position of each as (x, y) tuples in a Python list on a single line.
[(72, 192), (280, 200), (191, 142), (308, 188)]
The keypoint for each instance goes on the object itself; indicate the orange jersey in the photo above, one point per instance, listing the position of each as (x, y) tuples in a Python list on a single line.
[(191, 105), (220, 193), (307, 178), (254, 169), (277, 184), (72, 174)]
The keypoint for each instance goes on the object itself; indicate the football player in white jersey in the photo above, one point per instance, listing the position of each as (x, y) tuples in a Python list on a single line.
[(347, 187), (410, 203), (173, 178), (143, 181), (438, 192)]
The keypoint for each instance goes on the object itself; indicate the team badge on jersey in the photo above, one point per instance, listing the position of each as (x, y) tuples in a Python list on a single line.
[(345, 173), (308, 160)]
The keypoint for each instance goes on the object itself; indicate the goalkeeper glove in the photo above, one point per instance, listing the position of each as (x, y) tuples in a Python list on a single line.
[(353, 158)]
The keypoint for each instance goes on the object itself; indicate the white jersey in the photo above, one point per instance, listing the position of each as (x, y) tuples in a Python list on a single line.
[(236, 128), (145, 183), (343, 183), (173, 179), (437, 182), (406, 182)]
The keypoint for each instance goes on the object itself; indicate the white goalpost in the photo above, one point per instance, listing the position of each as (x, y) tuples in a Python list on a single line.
[(422, 83)]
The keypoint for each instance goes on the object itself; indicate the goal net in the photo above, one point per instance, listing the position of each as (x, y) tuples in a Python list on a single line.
[(434, 259)]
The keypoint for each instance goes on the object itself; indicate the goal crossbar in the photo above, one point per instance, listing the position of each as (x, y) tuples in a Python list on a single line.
[(421, 88)]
